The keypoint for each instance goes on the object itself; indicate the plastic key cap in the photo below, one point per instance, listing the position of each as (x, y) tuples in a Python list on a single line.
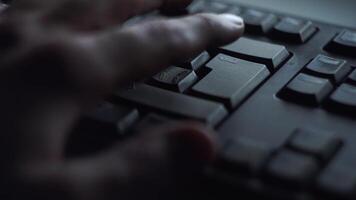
[(322, 145), (344, 99), (244, 154), (258, 22), (198, 61), (175, 78), (307, 89), (231, 79), (337, 179), (327, 67), (206, 6), (292, 167), (269, 54), (294, 30), (181, 105), (111, 119)]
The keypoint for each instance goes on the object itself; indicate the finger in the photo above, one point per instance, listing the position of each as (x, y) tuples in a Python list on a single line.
[(86, 15), (59, 78), (161, 161), (147, 48), (132, 5), (95, 64)]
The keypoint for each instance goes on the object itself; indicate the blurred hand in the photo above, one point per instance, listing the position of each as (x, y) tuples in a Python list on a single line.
[(59, 58)]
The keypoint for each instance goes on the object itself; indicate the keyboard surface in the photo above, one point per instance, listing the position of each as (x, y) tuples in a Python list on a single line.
[(282, 99)]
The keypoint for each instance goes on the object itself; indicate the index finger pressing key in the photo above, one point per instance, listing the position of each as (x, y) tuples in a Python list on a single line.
[(141, 50)]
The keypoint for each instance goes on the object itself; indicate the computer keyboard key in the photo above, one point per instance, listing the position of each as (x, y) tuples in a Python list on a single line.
[(258, 22), (208, 6), (231, 79), (352, 78), (344, 43), (175, 78), (327, 67), (294, 30), (338, 180), (245, 155), (111, 119), (151, 120), (344, 99), (101, 128), (292, 167), (321, 145), (198, 61), (235, 10), (307, 89), (177, 104), (269, 54)]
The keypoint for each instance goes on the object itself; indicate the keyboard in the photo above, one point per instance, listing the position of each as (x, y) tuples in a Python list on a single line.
[(282, 99)]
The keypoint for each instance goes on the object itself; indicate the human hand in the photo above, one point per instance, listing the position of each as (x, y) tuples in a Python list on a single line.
[(61, 57)]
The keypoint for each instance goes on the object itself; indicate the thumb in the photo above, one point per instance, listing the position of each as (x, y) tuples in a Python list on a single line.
[(160, 162)]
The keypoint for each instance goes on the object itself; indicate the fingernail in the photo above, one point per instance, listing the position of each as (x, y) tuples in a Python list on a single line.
[(233, 18)]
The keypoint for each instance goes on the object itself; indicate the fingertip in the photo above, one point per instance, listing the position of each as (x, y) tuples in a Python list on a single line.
[(224, 28), (193, 141), (235, 23), (233, 18)]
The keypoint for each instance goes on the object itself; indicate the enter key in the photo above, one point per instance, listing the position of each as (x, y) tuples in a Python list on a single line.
[(231, 80)]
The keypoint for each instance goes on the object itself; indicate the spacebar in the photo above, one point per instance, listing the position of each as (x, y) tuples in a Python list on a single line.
[(174, 103)]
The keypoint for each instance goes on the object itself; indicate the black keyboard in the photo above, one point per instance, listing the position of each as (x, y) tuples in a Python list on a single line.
[(282, 99)]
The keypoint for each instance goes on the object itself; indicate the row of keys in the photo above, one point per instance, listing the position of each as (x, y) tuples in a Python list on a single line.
[(118, 121), (316, 81), (173, 103), (313, 91), (258, 22), (271, 55), (108, 124), (230, 79), (297, 163), (285, 28)]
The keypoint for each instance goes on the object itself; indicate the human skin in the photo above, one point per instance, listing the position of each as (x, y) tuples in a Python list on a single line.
[(59, 58)]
